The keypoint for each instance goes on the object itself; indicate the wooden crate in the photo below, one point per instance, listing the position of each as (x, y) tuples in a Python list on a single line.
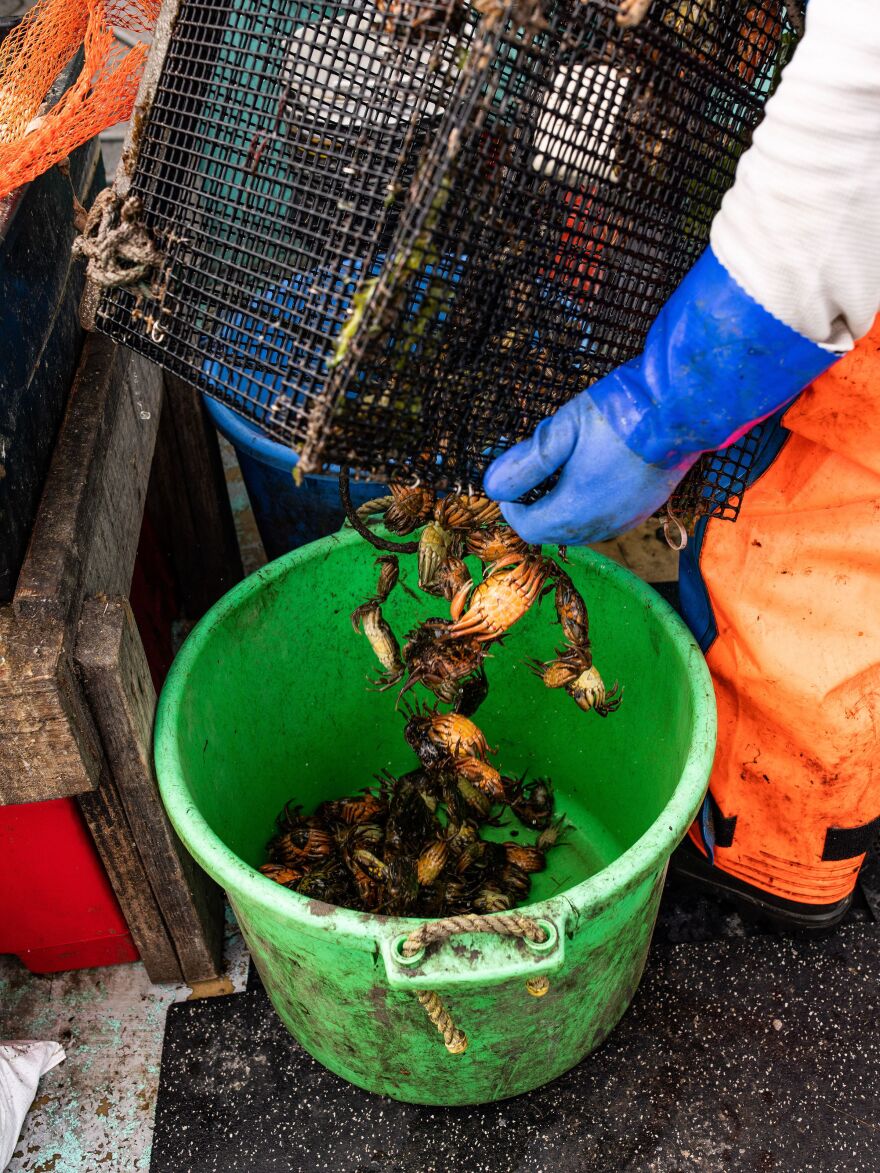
[(76, 696)]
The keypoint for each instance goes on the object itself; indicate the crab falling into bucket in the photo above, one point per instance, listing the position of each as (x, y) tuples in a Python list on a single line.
[(398, 235), (386, 849)]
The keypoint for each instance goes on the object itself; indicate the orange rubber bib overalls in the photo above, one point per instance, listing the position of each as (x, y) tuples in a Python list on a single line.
[(786, 604)]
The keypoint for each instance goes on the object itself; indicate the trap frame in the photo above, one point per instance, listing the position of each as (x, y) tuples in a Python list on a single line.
[(399, 233)]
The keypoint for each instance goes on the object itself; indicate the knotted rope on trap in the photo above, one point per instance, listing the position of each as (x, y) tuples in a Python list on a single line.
[(118, 245), (434, 932)]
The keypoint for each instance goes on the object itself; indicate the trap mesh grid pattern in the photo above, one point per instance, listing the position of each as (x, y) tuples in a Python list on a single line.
[(398, 233), (715, 485)]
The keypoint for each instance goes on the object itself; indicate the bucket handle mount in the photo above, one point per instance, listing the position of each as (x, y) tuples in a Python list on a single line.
[(409, 964)]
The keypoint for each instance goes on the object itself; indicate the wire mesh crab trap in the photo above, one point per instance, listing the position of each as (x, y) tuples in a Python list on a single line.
[(399, 233)]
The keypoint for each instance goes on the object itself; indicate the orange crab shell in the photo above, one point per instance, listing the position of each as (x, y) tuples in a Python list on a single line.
[(556, 673), (463, 511), (496, 543), (389, 573), (452, 577), (369, 889), (459, 735), (482, 775), (410, 507), (413, 499), (525, 857), (499, 601), (280, 874), (356, 811), (432, 861), (317, 843)]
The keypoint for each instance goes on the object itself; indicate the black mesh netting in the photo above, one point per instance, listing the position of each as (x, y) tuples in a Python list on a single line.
[(398, 234), (715, 485)]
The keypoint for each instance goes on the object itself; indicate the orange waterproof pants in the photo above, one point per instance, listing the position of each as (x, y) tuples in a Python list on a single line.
[(793, 592)]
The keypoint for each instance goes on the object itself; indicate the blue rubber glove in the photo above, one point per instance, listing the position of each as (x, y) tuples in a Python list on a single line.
[(714, 363)]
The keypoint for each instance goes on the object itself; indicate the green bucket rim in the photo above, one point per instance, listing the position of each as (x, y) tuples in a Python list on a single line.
[(643, 858)]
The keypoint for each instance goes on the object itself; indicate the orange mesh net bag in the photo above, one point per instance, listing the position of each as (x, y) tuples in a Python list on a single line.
[(33, 139)]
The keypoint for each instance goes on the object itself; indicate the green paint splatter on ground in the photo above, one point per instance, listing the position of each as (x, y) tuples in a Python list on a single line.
[(95, 1110)]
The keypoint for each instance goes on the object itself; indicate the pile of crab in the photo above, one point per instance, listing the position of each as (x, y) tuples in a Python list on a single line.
[(414, 845)]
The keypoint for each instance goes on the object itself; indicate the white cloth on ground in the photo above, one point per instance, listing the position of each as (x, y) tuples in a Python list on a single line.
[(21, 1066)]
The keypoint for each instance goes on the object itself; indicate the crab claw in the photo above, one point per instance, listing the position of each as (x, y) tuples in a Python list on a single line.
[(613, 701), (385, 681), (357, 615), (409, 683), (509, 561), (456, 606)]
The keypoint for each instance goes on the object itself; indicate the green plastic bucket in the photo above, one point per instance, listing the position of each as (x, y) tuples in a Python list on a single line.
[(267, 701)]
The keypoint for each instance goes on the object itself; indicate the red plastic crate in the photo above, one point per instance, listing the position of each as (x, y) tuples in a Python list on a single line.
[(57, 909)]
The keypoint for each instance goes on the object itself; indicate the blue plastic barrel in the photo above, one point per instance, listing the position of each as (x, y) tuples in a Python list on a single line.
[(252, 351), (286, 515)]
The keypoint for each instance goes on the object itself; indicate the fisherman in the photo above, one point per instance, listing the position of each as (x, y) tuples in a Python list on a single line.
[(773, 323)]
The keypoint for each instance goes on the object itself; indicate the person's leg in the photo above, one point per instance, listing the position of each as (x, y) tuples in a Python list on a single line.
[(786, 603)]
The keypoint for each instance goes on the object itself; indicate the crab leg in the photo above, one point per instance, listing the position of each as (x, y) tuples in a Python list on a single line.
[(389, 573)]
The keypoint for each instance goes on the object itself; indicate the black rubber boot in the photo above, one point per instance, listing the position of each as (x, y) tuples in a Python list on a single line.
[(786, 916)]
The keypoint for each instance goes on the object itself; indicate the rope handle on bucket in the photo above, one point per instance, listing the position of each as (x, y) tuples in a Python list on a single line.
[(500, 923), (434, 932)]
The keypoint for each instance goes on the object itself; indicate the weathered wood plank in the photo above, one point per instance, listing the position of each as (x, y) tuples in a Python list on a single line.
[(188, 501), (50, 575), (109, 562), (85, 533), (119, 688), (49, 747), (105, 815), (84, 539)]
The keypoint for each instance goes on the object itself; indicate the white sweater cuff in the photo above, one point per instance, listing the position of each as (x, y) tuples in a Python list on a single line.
[(800, 228)]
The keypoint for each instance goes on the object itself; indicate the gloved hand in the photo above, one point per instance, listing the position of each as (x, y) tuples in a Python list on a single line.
[(714, 363)]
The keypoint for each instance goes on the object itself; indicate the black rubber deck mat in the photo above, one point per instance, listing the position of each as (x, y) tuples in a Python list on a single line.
[(749, 1054)]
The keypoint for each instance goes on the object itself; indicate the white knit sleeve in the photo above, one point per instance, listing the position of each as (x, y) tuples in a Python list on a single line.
[(800, 228)]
